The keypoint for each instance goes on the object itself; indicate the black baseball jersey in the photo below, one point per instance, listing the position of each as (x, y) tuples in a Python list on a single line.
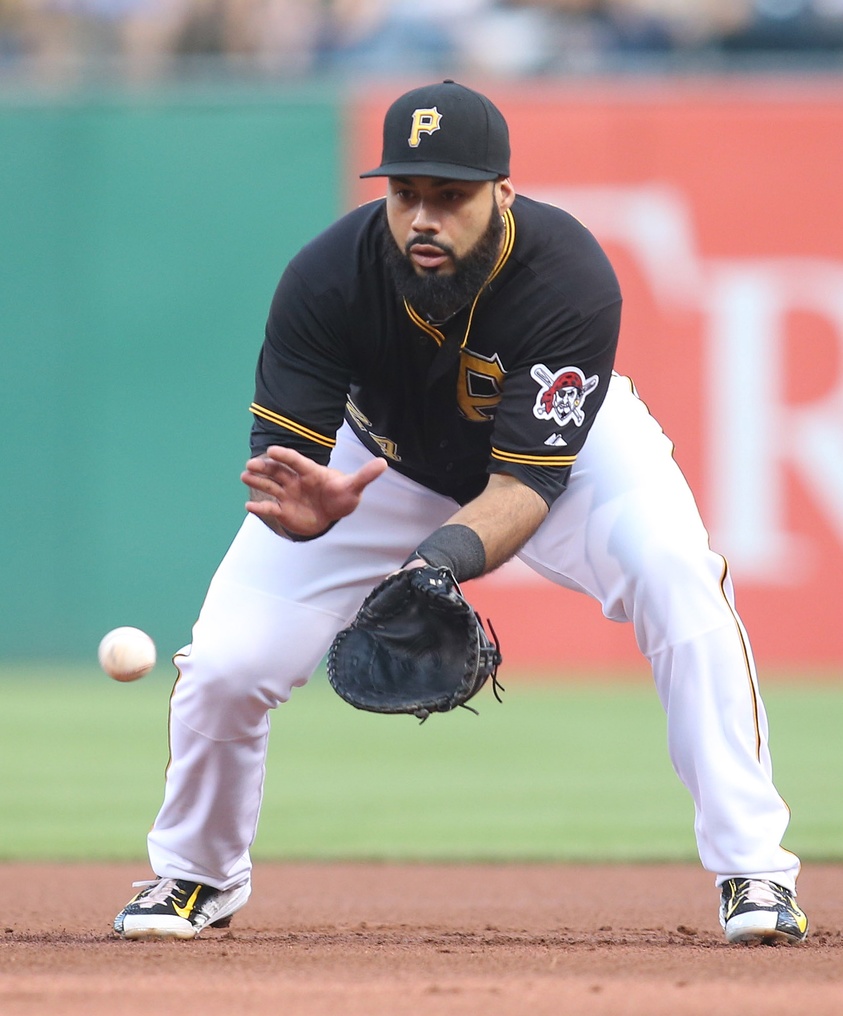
[(510, 384)]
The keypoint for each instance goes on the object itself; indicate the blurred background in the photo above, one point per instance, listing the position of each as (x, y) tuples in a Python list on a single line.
[(142, 40), (160, 161)]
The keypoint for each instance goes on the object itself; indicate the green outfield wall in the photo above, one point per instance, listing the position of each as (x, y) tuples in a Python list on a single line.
[(142, 239)]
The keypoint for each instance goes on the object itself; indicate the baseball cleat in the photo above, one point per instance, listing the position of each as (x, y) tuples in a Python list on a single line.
[(755, 910), (176, 908)]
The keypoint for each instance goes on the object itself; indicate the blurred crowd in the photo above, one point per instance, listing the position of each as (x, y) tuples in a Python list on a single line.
[(297, 38)]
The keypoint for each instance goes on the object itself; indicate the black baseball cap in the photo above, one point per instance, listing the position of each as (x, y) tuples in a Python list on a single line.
[(444, 130)]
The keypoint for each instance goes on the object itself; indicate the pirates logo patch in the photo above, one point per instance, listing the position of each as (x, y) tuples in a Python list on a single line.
[(425, 121), (561, 395)]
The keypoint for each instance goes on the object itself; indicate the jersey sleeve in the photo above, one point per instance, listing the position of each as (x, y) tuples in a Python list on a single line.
[(303, 374), (550, 399)]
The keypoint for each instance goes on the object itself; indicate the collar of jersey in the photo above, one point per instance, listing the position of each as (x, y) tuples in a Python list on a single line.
[(503, 257)]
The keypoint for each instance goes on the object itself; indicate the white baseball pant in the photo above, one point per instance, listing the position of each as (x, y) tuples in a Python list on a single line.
[(626, 532)]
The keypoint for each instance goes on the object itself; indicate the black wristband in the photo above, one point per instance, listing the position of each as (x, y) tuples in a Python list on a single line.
[(455, 547)]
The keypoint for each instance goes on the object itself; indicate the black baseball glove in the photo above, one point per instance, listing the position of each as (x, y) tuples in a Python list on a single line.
[(415, 646)]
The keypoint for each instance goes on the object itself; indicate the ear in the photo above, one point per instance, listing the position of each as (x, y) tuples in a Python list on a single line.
[(504, 193)]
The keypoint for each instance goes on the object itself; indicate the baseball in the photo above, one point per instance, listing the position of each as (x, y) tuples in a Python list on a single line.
[(126, 654)]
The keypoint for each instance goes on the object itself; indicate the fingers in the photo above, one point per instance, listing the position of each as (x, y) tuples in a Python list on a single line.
[(285, 457), (365, 474), (303, 493), (277, 469), (272, 486), (279, 462), (266, 510)]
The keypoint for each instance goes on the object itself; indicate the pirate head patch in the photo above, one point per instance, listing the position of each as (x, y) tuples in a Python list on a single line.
[(562, 394)]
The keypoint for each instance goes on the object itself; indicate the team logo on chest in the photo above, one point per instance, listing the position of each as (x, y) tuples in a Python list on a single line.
[(561, 395), (481, 386)]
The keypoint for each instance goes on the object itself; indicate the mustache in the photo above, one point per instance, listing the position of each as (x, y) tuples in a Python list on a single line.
[(427, 241)]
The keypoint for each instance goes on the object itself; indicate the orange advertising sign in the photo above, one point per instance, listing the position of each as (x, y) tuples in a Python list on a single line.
[(721, 207)]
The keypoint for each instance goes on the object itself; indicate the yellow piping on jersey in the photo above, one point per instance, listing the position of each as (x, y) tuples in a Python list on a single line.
[(533, 460), (506, 250), (506, 246), (288, 424)]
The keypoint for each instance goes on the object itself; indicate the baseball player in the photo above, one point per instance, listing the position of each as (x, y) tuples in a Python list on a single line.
[(436, 384)]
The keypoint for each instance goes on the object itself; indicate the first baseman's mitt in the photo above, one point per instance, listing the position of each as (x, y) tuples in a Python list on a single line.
[(415, 646)]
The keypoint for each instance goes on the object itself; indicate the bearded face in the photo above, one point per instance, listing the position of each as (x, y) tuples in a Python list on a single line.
[(440, 291)]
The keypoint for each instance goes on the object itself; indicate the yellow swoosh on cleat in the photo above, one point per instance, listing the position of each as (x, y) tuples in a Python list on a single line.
[(188, 907), (731, 906)]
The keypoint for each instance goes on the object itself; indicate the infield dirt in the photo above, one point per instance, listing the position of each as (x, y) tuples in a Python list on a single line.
[(427, 940)]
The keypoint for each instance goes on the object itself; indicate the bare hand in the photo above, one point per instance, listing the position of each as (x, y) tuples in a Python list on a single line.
[(294, 493)]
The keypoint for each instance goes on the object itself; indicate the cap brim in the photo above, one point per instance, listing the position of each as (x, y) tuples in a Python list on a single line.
[(441, 170)]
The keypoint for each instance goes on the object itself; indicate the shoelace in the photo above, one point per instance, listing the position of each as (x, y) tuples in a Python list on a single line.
[(759, 893), (163, 889)]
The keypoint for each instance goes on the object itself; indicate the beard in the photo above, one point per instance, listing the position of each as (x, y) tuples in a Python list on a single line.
[(438, 296)]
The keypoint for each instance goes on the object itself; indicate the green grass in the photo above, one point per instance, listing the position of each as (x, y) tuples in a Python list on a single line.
[(560, 772)]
